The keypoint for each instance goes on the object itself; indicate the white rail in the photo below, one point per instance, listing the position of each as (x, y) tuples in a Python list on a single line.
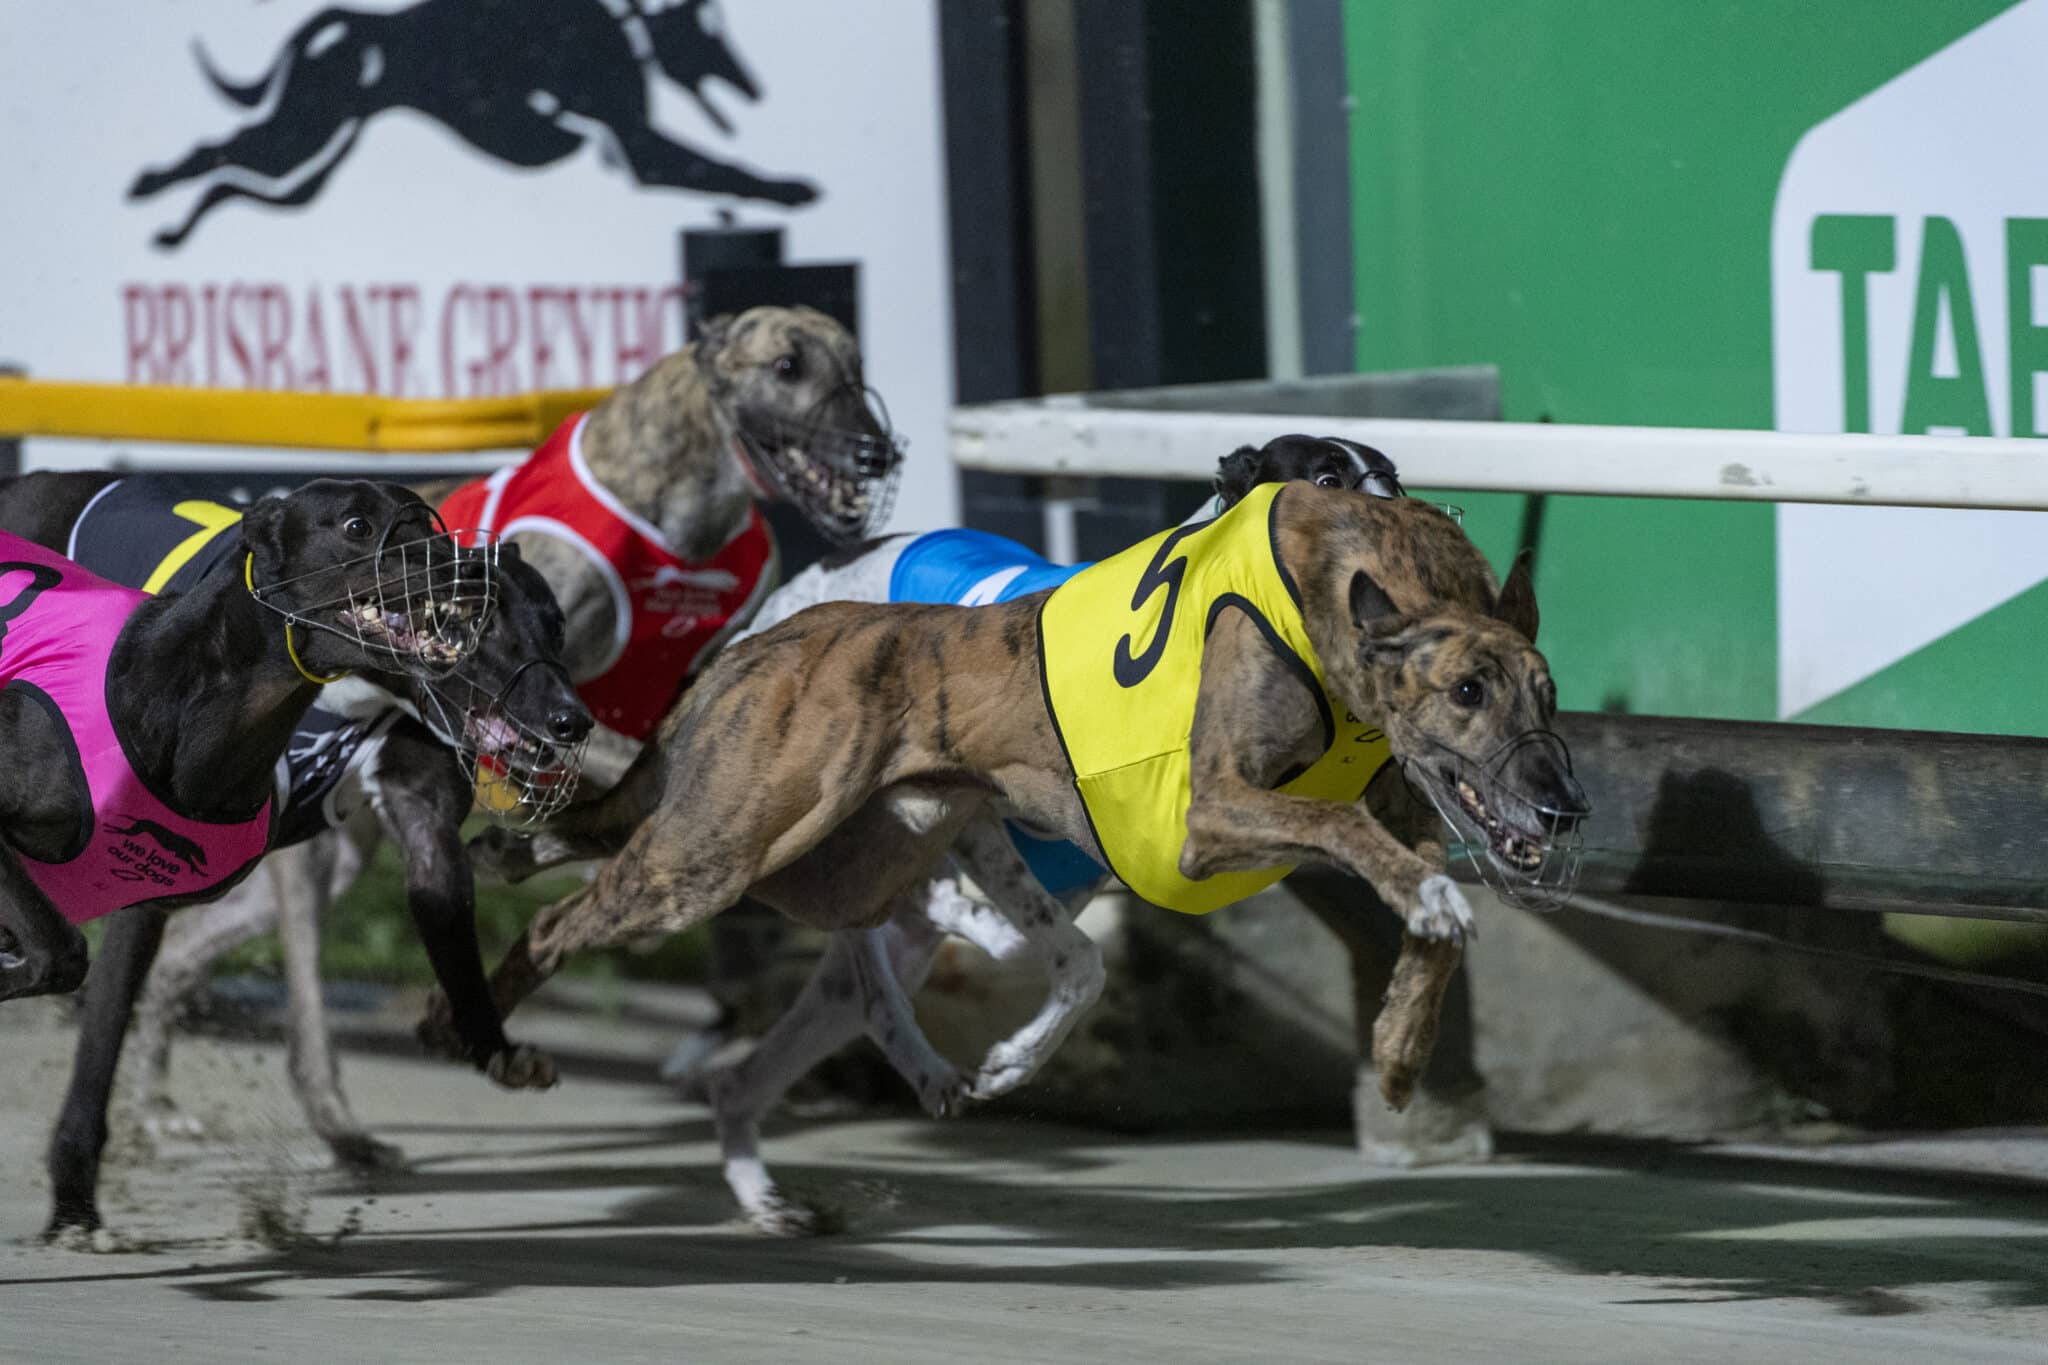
[(1064, 436)]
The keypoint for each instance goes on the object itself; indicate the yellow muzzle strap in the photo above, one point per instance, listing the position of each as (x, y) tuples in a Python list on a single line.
[(291, 650)]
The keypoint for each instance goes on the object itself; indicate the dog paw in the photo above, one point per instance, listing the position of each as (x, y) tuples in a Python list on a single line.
[(167, 1120), (780, 1216), (503, 855), (359, 1152), (1004, 1069), (436, 1030), (1433, 1132), (78, 1228), (92, 1241), (944, 1096), (522, 1067), (1441, 911)]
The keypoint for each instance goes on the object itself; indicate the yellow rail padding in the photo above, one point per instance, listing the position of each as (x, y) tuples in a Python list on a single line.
[(314, 421)]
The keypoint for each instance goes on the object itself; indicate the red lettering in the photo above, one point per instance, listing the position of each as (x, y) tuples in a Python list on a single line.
[(362, 348), (209, 299), (138, 325), (458, 297), (178, 333), (313, 373), (623, 349), (580, 336), (238, 344), (274, 329), (405, 330), (543, 354), (501, 338)]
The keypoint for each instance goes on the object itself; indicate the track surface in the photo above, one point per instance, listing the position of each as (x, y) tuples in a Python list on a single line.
[(590, 1224)]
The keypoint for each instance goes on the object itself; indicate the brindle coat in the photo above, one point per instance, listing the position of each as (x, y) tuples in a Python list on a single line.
[(662, 446), (825, 765)]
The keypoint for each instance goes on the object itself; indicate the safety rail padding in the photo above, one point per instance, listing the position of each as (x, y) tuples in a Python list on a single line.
[(312, 421), (1812, 816), (1082, 436)]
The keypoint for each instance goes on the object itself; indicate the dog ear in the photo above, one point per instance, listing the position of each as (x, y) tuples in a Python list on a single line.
[(1372, 611), (712, 334), (1516, 605), (263, 537), (1235, 474)]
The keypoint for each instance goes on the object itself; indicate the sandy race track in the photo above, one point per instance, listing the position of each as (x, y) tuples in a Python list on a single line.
[(590, 1225)]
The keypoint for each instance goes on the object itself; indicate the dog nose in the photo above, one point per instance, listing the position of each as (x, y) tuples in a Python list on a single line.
[(1568, 801), (569, 726)]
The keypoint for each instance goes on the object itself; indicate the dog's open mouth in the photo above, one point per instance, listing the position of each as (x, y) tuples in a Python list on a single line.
[(840, 500), (436, 631), (1526, 849), (518, 775), (1523, 850), (425, 607), (841, 477)]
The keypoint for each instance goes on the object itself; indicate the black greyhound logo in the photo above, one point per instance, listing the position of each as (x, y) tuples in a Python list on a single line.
[(172, 842), (528, 82), (41, 578)]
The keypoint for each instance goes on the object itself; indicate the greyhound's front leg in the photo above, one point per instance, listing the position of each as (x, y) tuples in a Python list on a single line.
[(420, 801), (1236, 826), (40, 952), (1043, 926), (1255, 721)]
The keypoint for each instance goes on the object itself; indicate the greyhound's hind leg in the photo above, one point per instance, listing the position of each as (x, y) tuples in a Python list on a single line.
[(40, 953), (1045, 927), (826, 1016), (890, 1020), (194, 941), (81, 1131), (303, 880)]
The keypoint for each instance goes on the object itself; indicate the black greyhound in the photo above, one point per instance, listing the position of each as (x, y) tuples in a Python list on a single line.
[(526, 81), (423, 799)]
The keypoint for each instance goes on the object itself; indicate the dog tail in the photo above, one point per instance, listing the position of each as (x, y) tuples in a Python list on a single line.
[(248, 96)]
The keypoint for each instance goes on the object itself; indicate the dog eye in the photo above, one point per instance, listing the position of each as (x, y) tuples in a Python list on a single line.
[(1469, 693), (357, 528), (1328, 481), (788, 366)]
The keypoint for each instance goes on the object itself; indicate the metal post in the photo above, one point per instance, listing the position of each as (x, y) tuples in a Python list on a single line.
[(1279, 228), (10, 446)]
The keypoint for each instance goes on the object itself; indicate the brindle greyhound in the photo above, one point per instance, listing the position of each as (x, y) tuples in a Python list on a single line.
[(772, 402), (205, 689), (866, 573), (826, 765), (544, 79)]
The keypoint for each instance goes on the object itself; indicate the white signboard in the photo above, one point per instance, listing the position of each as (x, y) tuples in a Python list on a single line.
[(1909, 277), (460, 197)]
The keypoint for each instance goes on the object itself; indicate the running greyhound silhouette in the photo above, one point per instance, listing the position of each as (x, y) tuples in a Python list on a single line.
[(526, 81), (173, 843)]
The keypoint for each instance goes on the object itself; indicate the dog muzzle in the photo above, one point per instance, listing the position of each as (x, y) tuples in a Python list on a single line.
[(1526, 848), (423, 612), (843, 479), (520, 774)]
